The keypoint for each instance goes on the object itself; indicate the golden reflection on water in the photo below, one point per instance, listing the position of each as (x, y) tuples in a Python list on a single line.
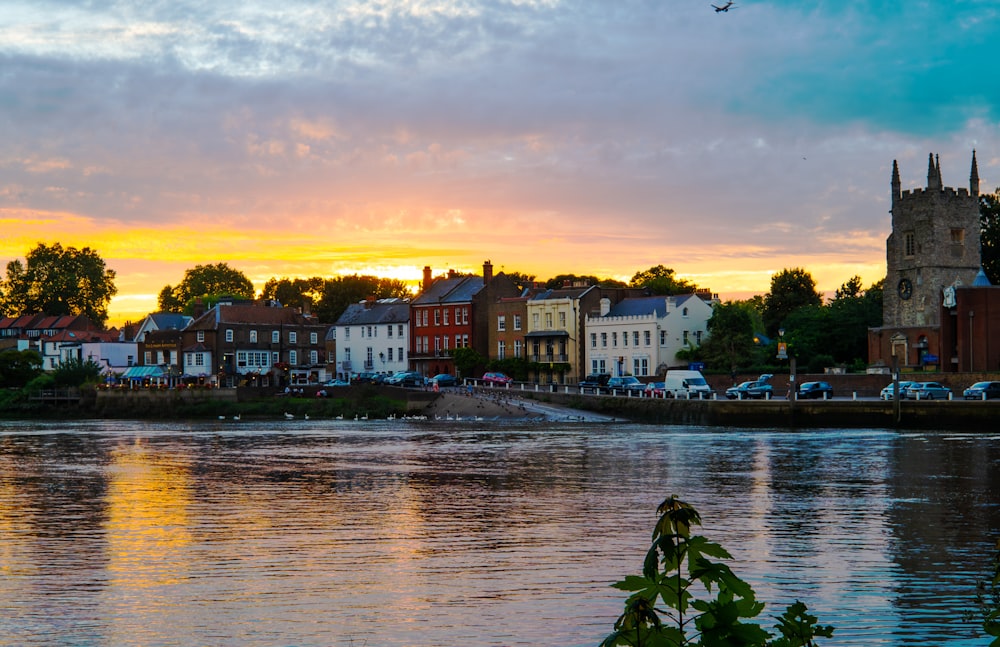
[(147, 524)]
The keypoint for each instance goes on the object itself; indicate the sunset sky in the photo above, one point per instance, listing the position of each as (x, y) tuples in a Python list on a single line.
[(316, 138)]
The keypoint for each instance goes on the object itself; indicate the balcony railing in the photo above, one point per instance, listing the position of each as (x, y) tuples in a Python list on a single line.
[(539, 359)]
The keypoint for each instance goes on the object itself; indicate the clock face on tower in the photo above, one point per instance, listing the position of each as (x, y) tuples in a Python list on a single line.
[(905, 289)]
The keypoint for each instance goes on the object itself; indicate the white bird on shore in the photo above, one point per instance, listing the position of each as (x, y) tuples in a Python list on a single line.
[(306, 416), (236, 417), (288, 416)]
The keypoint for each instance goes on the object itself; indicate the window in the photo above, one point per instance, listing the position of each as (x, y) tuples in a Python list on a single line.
[(437, 343), (293, 357), (909, 244), (147, 358), (548, 321), (534, 320), (400, 331), (388, 356), (314, 357), (465, 316), (400, 355), (200, 336), (648, 337), (614, 340), (517, 322), (562, 319), (501, 323), (663, 338), (253, 336), (293, 337), (624, 339), (199, 359), (445, 316), (369, 357), (697, 337), (437, 317), (604, 340), (640, 366), (684, 337), (957, 236), (593, 340), (501, 349), (684, 312), (276, 335), (635, 338), (229, 335), (445, 342), (388, 330), (313, 338), (518, 348)]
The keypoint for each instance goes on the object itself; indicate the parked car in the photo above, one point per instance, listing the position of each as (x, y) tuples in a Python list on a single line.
[(444, 379), (656, 390), (927, 391), (363, 378), (627, 383), (596, 381), (497, 378), (818, 390), (982, 391), (759, 389), (887, 392), (337, 382), (406, 378)]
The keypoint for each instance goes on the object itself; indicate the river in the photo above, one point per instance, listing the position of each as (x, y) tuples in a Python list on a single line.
[(399, 533)]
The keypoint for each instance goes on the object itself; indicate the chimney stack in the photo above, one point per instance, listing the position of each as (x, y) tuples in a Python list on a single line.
[(427, 277), (487, 272)]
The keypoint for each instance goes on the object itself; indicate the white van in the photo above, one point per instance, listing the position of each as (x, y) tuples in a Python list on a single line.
[(686, 384)]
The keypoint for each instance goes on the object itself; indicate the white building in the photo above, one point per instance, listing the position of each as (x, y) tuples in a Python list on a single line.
[(642, 336), (373, 337)]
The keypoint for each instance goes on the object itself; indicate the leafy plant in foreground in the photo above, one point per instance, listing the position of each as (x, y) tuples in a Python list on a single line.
[(988, 601), (678, 568)]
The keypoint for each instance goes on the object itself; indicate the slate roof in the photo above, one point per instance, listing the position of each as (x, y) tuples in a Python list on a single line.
[(249, 314), (646, 305), (561, 293), (375, 313), (459, 289)]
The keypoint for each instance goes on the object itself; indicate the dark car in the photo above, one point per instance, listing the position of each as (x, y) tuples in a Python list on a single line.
[(627, 384), (817, 390), (927, 391), (888, 393), (759, 389), (594, 381), (982, 391), (406, 378), (363, 378), (444, 379)]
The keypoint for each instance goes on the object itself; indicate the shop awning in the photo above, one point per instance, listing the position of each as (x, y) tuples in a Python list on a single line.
[(142, 372)]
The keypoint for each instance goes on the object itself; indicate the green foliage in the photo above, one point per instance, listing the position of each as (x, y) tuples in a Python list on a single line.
[(58, 281), (791, 289), (467, 362), (342, 291), (294, 293), (516, 367), (704, 603), (203, 281), (18, 367), (730, 342), (559, 281), (75, 372), (661, 280), (989, 223), (988, 601)]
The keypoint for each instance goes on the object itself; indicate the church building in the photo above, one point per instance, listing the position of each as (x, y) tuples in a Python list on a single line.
[(932, 251)]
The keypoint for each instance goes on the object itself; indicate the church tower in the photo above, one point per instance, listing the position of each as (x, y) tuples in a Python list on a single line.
[(934, 244)]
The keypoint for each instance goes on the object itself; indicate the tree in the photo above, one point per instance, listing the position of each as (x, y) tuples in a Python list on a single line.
[(76, 372), (790, 289), (58, 281), (661, 280), (559, 281), (850, 289), (342, 291), (296, 293), (730, 342), (989, 223), (677, 569), (18, 367), (205, 281)]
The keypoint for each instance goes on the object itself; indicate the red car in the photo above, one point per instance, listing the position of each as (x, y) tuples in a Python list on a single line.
[(497, 378)]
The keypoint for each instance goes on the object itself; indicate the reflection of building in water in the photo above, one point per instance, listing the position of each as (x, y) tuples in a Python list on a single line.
[(943, 522)]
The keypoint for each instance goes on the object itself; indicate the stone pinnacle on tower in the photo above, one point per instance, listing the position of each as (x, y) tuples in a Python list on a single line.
[(896, 185), (974, 176)]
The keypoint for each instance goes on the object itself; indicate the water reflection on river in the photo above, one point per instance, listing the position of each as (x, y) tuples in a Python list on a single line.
[(388, 534)]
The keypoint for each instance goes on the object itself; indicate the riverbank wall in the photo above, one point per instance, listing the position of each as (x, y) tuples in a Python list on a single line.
[(972, 415)]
